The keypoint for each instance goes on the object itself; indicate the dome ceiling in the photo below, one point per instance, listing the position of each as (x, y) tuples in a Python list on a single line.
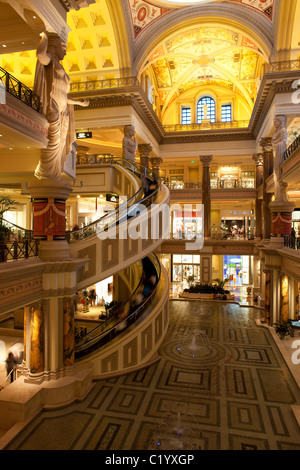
[(203, 56)]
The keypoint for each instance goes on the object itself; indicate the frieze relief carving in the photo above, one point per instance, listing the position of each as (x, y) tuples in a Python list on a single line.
[(20, 289), (18, 116)]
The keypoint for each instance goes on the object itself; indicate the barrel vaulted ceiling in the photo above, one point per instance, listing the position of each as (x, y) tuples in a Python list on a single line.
[(143, 13)]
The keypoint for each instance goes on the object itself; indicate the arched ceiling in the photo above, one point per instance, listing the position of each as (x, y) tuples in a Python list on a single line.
[(208, 55), (144, 13)]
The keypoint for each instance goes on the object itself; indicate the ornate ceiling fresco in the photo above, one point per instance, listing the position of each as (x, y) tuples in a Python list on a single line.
[(209, 55), (143, 13)]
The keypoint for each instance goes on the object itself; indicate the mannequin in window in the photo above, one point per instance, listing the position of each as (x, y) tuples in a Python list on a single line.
[(52, 84)]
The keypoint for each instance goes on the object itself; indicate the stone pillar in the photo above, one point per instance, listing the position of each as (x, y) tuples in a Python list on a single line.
[(144, 151), (69, 334), (37, 340), (284, 298), (266, 144), (206, 196), (155, 165), (259, 161), (296, 300), (49, 217), (268, 295)]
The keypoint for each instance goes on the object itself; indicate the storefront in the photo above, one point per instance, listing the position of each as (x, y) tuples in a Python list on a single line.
[(237, 269), (184, 267), (186, 224), (296, 222), (238, 224)]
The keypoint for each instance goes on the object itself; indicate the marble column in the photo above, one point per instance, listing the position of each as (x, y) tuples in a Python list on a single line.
[(268, 295), (206, 196), (69, 334), (259, 161), (284, 298), (144, 151), (37, 340), (296, 300), (266, 144), (155, 165)]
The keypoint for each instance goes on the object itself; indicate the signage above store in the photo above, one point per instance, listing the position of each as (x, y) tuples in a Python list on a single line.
[(112, 198), (84, 135)]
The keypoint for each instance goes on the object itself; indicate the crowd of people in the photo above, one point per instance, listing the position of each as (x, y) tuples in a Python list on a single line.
[(85, 299), (149, 281)]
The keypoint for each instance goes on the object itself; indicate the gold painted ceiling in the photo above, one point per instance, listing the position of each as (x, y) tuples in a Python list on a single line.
[(206, 56), (144, 13)]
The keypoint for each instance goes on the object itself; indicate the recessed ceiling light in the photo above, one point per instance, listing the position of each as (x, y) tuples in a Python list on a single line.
[(3, 45)]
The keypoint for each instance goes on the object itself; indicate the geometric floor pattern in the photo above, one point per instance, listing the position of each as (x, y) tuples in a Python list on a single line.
[(221, 384)]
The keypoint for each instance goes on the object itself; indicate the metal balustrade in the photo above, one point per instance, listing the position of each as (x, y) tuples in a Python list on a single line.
[(98, 338), (77, 87), (207, 126), (292, 148), (291, 242), (14, 87)]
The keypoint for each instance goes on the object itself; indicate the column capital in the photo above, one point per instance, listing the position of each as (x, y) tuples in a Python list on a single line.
[(206, 160), (258, 158), (266, 144), (145, 149)]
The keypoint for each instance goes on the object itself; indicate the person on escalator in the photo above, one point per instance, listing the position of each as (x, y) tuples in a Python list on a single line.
[(146, 185)]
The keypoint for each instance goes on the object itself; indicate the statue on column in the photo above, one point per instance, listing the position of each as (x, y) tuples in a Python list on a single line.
[(129, 143), (52, 84), (279, 142)]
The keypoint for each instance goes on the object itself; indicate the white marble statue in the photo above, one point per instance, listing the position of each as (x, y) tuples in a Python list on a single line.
[(52, 84), (129, 143), (279, 142)]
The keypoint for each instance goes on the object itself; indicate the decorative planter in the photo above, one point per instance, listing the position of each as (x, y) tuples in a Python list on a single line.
[(194, 296)]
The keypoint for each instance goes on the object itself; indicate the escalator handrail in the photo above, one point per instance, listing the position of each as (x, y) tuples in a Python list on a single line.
[(89, 344), (78, 235)]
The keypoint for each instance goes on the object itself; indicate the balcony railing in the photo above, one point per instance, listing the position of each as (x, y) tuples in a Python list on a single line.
[(291, 242), (292, 148), (234, 184), (284, 66), (179, 185), (205, 126), (77, 87), (16, 88), (12, 251)]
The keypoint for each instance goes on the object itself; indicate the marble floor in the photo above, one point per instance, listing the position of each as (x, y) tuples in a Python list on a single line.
[(221, 384)]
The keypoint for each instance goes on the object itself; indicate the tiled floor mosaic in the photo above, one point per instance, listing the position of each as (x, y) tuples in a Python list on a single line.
[(221, 384)]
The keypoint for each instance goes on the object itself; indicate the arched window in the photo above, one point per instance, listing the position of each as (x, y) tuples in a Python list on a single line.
[(206, 110)]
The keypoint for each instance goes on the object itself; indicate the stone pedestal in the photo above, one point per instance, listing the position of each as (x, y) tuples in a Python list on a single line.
[(49, 217), (281, 217)]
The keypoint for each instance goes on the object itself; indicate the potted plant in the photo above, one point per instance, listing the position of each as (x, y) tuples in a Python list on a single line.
[(282, 328), (6, 204)]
